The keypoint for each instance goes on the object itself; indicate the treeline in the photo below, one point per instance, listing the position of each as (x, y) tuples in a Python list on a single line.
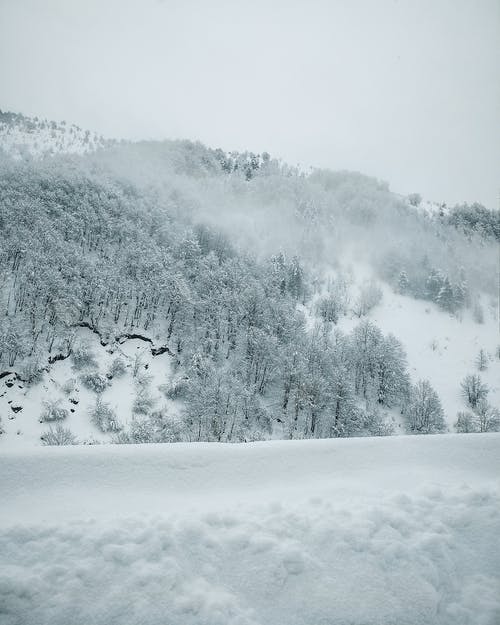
[(475, 219), (421, 280)]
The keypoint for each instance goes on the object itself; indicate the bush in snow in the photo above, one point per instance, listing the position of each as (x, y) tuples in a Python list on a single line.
[(466, 422), (53, 411), (117, 368), (104, 417), (375, 424), (176, 389), (369, 297), (83, 357), (58, 436), (485, 418), (330, 308), (488, 418), (94, 381), (31, 372), (158, 427), (143, 402), (473, 390), (90, 441), (137, 364), (424, 413)]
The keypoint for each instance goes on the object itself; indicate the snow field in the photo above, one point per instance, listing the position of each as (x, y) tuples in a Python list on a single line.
[(399, 531), (441, 347)]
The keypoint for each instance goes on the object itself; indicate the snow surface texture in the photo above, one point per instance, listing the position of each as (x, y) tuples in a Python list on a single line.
[(396, 531)]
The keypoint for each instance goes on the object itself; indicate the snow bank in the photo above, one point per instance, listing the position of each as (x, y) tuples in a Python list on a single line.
[(362, 531)]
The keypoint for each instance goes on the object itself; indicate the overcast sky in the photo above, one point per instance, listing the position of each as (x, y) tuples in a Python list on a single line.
[(405, 90)]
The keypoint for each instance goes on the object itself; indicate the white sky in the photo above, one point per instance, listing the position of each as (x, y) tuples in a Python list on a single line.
[(405, 90)]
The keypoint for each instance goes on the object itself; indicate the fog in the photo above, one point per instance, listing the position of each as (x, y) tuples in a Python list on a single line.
[(329, 220), (404, 91)]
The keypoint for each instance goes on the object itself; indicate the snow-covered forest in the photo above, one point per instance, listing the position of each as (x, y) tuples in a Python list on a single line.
[(250, 289), (249, 312)]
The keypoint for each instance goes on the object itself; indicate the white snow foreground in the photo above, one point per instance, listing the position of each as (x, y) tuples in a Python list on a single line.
[(401, 531)]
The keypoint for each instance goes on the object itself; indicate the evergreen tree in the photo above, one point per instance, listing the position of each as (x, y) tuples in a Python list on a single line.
[(446, 296), (403, 282), (482, 360)]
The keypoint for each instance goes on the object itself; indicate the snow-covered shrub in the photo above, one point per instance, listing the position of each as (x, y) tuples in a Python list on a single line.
[(58, 436), (485, 418), (53, 411), (69, 386), (31, 372), (330, 308), (137, 364), (94, 381), (375, 423), (143, 402), (466, 422), (91, 441), (103, 417), (158, 427), (117, 368), (176, 389), (369, 297), (2, 431), (83, 357), (143, 379), (488, 418)]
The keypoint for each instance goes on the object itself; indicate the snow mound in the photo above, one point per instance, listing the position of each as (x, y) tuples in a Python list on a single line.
[(361, 531)]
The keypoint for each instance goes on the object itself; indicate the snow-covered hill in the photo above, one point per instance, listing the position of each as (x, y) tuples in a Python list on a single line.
[(440, 347), (400, 530), (21, 136)]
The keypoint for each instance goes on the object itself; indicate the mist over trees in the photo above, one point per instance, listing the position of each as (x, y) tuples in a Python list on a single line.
[(211, 256)]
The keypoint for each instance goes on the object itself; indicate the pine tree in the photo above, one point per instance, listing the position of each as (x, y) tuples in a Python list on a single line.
[(446, 297), (482, 360), (403, 282), (433, 285)]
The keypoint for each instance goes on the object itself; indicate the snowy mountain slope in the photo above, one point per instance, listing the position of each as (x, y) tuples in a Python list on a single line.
[(361, 531), (120, 253), (442, 347), (22, 427), (21, 136)]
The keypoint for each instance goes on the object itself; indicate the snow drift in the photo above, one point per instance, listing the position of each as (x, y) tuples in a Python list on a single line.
[(361, 531)]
